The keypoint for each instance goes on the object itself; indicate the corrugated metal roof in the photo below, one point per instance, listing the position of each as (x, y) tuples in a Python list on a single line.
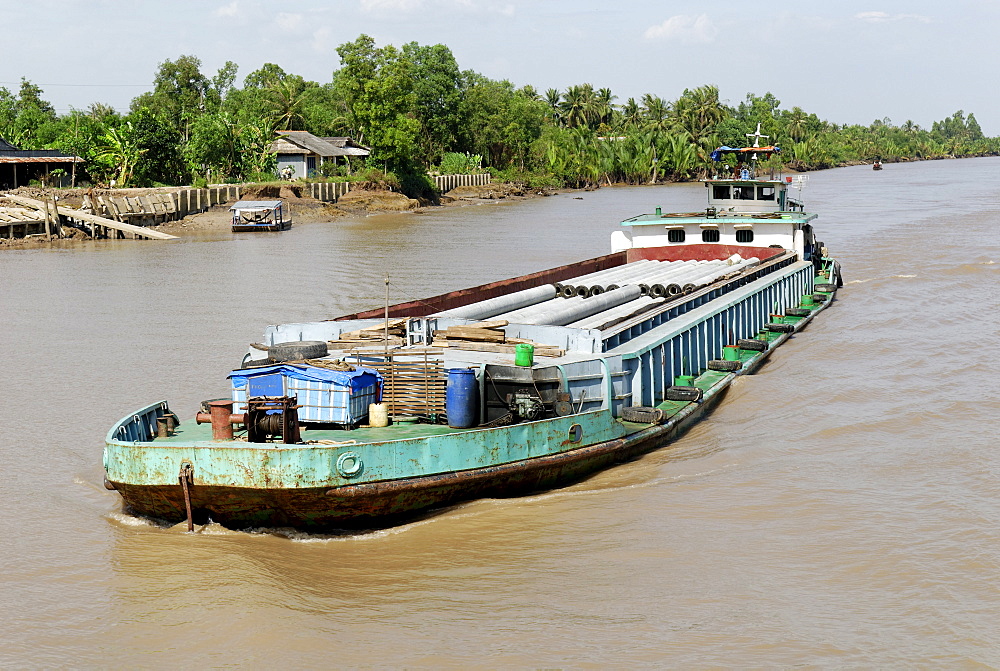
[(321, 146), (248, 204), (6, 158)]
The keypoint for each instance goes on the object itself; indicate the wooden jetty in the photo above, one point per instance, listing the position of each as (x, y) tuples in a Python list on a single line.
[(96, 223)]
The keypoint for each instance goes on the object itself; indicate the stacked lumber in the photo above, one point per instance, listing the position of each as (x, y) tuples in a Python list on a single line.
[(373, 335), (488, 337)]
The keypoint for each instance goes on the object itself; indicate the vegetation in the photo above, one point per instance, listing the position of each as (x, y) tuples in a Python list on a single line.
[(420, 114)]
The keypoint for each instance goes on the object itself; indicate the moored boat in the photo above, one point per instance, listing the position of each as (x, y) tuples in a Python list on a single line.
[(497, 390), (260, 215)]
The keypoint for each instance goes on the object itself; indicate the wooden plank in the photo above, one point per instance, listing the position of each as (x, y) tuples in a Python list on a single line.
[(540, 350), (467, 333), (94, 219), (494, 324)]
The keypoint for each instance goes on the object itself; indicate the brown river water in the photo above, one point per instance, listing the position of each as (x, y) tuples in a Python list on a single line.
[(839, 509)]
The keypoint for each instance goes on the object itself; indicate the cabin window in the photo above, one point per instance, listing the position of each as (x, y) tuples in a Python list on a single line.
[(675, 235), (744, 235), (765, 193), (720, 192), (710, 235), (744, 192)]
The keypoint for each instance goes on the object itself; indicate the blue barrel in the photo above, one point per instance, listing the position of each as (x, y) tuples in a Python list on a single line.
[(461, 398)]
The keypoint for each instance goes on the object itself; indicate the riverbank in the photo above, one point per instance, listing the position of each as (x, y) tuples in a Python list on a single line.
[(301, 208)]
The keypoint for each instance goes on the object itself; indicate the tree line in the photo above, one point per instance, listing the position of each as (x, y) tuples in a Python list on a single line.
[(420, 113)]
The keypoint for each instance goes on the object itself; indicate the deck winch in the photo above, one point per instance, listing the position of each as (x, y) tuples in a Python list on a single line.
[(269, 417)]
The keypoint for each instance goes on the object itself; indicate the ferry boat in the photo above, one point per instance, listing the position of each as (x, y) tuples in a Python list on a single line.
[(260, 215), (498, 390)]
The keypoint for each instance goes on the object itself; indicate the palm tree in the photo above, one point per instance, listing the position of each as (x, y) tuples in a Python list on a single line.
[(656, 112), (604, 107), (286, 98), (797, 124), (553, 99), (631, 114), (578, 105)]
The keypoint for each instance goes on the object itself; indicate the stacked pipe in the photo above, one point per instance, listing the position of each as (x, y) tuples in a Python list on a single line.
[(559, 312), (583, 301), (494, 306), (572, 286), (610, 317), (632, 276)]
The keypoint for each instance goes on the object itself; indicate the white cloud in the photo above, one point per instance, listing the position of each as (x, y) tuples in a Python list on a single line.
[(883, 17), (322, 40), (388, 6), (230, 10), (289, 22), (684, 28)]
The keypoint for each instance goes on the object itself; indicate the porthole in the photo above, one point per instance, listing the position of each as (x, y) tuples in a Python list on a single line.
[(676, 235), (744, 235), (710, 235)]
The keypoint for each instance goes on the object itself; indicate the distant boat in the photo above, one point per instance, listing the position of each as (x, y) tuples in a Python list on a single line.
[(877, 165), (260, 215)]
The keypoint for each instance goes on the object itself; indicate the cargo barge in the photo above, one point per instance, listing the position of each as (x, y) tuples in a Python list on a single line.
[(494, 391)]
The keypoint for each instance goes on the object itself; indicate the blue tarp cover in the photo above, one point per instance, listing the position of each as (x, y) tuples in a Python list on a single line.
[(359, 378)]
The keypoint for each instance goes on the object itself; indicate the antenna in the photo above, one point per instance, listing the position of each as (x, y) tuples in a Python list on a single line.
[(757, 135)]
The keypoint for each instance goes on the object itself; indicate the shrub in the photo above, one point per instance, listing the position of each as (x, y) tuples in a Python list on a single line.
[(453, 163)]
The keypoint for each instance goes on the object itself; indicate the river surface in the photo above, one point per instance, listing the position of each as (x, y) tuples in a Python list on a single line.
[(841, 508)]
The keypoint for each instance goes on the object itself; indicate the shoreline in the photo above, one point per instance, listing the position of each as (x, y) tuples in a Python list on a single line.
[(308, 210)]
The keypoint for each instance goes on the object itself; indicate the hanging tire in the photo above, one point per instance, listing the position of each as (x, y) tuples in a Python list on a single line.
[(298, 350), (827, 287), (752, 345), (641, 414), (779, 328), (820, 298), (724, 365), (798, 312), (678, 393)]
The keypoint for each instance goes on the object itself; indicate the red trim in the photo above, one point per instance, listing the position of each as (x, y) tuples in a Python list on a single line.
[(700, 252), (455, 299)]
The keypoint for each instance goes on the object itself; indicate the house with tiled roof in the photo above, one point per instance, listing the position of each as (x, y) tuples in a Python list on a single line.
[(301, 154)]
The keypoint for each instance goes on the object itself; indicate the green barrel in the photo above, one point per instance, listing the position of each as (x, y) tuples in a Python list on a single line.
[(731, 353), (524, 355), (684, 381), (807, 301)]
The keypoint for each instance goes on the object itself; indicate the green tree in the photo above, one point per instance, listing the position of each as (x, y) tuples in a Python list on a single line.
[(501, 123), (436, 97), (179, 93), (159, 147), (377, 87)]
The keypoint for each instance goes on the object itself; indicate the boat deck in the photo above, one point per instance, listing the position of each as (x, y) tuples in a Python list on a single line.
[(189, 431)]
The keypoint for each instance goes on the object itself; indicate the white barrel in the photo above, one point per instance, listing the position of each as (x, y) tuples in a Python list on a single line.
[(378, 415)]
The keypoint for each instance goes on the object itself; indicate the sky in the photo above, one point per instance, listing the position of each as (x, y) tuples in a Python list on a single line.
[(847, 61)]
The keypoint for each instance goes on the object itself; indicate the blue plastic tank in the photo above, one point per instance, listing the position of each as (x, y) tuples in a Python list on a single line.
[(462, 398)]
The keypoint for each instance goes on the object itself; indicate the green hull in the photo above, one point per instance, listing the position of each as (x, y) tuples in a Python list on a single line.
[(242, 485)]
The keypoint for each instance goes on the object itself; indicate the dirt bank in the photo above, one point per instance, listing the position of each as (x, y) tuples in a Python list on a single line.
[(302, 209)]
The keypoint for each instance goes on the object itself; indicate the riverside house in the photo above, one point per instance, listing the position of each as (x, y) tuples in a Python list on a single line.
[(300, 153), (18, 167)]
